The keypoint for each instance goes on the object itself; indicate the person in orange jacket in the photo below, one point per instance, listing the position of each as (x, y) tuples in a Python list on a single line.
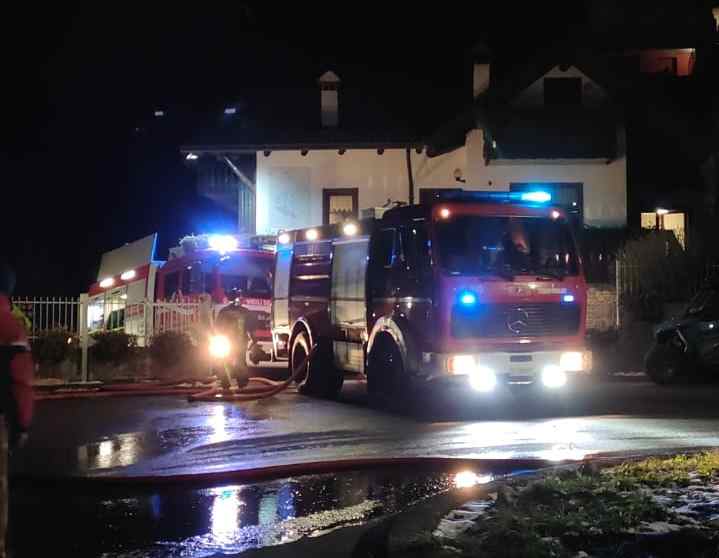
[(16, 398)]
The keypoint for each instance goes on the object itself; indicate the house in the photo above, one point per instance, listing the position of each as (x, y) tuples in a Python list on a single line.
[(552, 124), (561, 119)]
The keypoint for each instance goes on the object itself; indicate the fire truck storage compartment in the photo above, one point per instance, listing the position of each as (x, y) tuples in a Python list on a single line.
[(348, 309), (281, 293)]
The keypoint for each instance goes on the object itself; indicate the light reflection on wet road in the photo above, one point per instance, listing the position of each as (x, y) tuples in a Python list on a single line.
[(169, 522), (166, 435)]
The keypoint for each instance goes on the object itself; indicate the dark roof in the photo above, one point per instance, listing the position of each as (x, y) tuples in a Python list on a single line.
[(540, 133), (380, 114), (554, 134)]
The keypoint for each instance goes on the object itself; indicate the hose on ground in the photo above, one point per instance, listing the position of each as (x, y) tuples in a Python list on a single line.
[(254, 393)]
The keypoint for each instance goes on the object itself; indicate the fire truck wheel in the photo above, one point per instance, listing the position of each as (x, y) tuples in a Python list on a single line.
[(320, 378), (387, 385)]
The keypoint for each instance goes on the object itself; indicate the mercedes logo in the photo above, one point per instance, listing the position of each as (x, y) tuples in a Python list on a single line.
[(517, 320)]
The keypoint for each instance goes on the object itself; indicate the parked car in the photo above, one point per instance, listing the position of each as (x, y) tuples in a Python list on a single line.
[(687, 347)]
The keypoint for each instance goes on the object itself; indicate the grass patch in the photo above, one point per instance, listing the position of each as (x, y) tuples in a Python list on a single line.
[(582, 510), (679, 470)]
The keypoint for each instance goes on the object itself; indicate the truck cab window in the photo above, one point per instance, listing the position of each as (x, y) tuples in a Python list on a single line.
[(387, 248), (415, 248), (171, 284)]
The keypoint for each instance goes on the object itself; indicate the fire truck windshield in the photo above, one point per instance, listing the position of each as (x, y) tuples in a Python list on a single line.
[(506, 246)]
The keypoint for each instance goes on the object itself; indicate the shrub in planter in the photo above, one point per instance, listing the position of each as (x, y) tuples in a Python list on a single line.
[(169, 348), (53, 347), (113, 346)]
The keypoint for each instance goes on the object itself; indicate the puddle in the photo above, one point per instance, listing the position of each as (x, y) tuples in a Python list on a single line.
[(177, 521)]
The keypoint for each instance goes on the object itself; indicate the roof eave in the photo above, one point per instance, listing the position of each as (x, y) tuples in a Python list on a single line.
[(310, 146)]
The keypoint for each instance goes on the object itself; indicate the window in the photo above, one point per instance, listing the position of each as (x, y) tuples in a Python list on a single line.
[(506, 246), (339, 204), (415, 246), (193, 279), (386, 248), (667, 65), (282, 273), (172, 285), (562, 91)]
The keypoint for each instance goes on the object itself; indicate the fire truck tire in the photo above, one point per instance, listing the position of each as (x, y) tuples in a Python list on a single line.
[(387, 384), (321, 378)]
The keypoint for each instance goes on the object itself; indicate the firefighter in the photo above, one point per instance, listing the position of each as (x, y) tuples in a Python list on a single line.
[(235, 322), (16, 399)]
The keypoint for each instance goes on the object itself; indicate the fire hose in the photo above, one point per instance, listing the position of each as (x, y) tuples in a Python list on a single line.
[(253, 393)]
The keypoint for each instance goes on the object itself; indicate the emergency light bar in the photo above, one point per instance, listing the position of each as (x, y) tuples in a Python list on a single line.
[(530, 196)]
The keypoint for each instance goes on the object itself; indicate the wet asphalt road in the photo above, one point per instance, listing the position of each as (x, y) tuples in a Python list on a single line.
[(168, 435)]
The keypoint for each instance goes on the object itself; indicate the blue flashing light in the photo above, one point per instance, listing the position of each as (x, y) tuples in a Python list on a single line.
[(468, 298), (568, 298), (537, 196), (222, 243), (530, 196)]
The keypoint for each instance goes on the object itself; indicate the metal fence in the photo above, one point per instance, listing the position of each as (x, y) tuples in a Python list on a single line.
[(50, 313), (83, 317)]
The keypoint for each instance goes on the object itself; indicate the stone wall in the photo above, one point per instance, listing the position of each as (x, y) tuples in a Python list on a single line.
[(601, 307)]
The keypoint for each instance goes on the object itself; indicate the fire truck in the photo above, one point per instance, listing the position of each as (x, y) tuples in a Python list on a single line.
[(234, 272), (482, 290)]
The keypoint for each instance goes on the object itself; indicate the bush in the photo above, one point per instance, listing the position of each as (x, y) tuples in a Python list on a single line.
[(113, 346), (53, 347), (170, 347)]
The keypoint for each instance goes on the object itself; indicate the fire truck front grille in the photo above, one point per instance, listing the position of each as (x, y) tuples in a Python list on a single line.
[(515, 320)]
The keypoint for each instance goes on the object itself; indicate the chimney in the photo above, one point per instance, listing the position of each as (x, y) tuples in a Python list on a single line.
[(329, 102), (481, 59)]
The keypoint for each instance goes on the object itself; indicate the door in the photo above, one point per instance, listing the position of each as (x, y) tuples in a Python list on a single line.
[(339, 204)]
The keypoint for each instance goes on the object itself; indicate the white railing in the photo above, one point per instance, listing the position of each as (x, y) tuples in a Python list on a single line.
[(82, 317), (173, 316), (49, 313)]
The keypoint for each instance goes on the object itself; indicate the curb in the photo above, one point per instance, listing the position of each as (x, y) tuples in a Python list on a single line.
[(498, 466)]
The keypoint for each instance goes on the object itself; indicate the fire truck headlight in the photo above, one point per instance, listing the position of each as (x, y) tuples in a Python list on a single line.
[(553, 376), (350, 229), (571, 361), (461, 364), (219, 346), (483, 379)]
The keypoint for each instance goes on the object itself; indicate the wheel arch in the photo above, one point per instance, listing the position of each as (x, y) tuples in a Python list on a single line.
[(399, 332), (301, 324)]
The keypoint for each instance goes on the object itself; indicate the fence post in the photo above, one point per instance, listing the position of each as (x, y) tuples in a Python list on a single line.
[(149, 315), (618, 289), (84, 341)]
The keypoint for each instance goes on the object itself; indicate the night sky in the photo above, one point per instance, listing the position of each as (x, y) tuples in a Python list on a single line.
[(80, 178)]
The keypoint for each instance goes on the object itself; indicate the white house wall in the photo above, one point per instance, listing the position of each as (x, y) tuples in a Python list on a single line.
[(290, 185), (604, 184)]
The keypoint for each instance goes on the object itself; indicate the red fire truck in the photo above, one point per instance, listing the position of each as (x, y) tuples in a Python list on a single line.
[(482, 289), (236, 273)]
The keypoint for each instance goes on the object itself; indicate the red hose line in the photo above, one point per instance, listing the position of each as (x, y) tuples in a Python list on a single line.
[(253, 394), (150, 385), (248, 393), (100, 394)]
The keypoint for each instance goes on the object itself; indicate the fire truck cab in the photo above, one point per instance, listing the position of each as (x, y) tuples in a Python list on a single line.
[(235, 273), (481, 289)]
